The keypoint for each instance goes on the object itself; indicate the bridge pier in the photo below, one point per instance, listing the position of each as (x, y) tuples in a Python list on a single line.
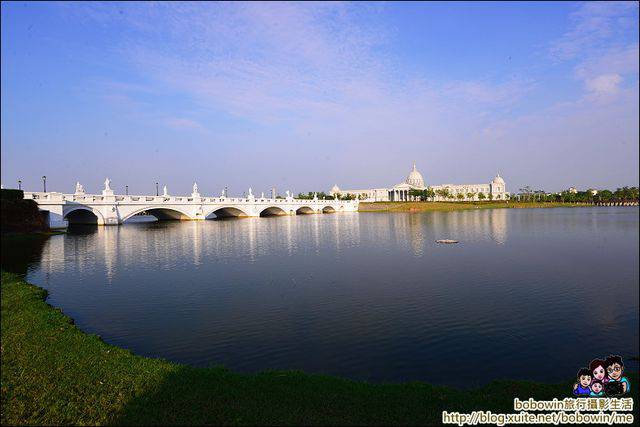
[(54, 217)]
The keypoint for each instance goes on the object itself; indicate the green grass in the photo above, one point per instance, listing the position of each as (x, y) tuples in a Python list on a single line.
[(455, 206), (53, 373)]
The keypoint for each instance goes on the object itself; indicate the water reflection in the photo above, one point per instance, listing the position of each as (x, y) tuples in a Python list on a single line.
[(417, 232), (368, 296), (19, 253)]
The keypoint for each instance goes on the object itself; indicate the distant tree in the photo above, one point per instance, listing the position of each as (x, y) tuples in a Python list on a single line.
[(490, 196), (320, 194), (460, 196), (418, 194), (481, 196), (617, 195), (605, 195), (585, 196), (627, 194), (471, 195), (429, 193)]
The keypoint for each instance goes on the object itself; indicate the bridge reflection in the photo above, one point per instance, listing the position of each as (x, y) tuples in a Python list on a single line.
[(113, 248)]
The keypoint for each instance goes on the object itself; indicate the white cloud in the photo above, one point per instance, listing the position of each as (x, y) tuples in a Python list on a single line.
[(307, 65), (592, 25), (604, 84), (182, 123), (601, 43), (616, 60)]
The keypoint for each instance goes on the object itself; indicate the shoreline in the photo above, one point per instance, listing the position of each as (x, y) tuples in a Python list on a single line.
[(54, 373), (458, 206)]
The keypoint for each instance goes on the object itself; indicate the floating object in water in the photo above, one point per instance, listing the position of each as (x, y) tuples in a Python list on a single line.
[(446, 241)]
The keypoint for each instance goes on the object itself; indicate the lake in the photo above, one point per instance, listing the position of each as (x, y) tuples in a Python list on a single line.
[(526, 294)]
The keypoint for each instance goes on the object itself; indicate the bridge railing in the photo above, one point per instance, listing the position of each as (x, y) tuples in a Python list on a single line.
[(145, 199)]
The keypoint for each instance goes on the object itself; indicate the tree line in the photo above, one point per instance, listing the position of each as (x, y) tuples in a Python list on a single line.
[(430, 194), (622, 194)]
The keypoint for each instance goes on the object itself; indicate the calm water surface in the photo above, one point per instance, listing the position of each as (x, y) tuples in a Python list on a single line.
[(527, 294)]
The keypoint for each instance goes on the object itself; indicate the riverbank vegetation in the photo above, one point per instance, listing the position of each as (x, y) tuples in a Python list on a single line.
[(53, 373), (455, 206), (18, 215), (526, 194), (620, 195), (321, 195)]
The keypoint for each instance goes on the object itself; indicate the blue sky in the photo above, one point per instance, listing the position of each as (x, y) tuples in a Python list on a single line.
[(304, 95)]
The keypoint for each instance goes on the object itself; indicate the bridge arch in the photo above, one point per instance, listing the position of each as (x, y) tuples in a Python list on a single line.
[(305, 210), (161, 213), (226, 212), (273, 211), (328, 209), (83, 215)]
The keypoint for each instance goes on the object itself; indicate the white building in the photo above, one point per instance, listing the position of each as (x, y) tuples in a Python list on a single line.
[(495, 190)]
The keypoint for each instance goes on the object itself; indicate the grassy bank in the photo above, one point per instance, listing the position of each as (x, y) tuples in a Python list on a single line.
[(455, 206), (53, 373)]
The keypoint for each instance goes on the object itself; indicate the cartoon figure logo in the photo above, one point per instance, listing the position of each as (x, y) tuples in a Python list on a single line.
[(597, 389), (602, 378), (598, 370), (583, 386), (617, 384)]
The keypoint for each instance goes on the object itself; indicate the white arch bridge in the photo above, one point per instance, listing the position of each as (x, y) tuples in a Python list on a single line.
[(110, 209)]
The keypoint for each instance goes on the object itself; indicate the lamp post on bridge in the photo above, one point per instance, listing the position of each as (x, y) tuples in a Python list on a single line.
[(126, 190), (157, 189), (44, 183), (19, 185)]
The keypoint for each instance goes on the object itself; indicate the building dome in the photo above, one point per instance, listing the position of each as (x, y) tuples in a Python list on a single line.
[(335, 189), (498, 180), (415, 178)]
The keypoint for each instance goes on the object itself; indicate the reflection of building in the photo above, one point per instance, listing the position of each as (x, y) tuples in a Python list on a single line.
[(470, 225), (498, 222), (496, 190)]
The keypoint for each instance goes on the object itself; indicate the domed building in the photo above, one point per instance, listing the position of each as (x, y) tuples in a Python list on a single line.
[(415, 178), (495, 190), (497, 185)]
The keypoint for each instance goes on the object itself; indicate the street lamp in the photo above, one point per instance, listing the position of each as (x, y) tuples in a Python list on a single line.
[(157, 189), (225, 192), (126, 190), (44, 183), (19, 185)]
